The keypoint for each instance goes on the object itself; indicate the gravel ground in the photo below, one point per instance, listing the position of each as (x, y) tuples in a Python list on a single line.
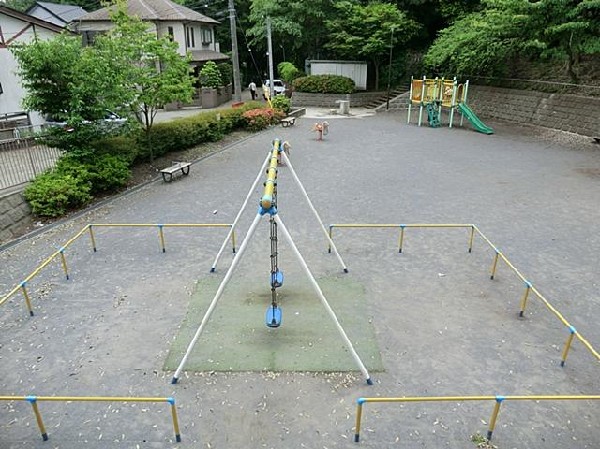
[(442, 326)]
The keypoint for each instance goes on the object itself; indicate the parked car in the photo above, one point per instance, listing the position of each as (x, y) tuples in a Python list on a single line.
[(278, 87), (110, 121)]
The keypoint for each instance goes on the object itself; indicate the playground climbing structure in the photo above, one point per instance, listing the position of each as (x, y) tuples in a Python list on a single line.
[(433, 95)]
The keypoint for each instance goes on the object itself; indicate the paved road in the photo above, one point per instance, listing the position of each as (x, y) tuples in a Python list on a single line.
[(443, 328)]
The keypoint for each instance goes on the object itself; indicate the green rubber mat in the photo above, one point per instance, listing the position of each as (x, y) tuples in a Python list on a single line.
[(236, 337)]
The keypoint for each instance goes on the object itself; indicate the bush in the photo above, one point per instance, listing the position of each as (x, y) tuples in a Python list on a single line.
[(53, 193), (281, 103), (123, 146), (102, 172), (324, 84), (259, 119), (288, 72), (226, 71), (210, 76)]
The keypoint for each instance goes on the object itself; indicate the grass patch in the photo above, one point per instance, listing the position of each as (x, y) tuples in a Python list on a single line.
[(237, 339)]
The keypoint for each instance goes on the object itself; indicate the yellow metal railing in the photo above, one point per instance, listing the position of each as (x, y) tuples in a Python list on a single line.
[(402, 227), (498, 399), (22, 286), (529, 288), (33, 400)]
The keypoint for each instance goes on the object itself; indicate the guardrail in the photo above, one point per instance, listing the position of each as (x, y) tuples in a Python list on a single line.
[(529, 288), (22, 286), (499, 400), (23, 157), (33, 400)]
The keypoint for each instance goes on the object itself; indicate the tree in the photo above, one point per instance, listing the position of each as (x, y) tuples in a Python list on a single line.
[(67, 81), (150, 69), (567, 30), (298, 28), (368, 31), (483, 42)]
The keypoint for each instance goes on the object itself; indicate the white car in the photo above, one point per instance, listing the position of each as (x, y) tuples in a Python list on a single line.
[(110, 121), (278, 87)]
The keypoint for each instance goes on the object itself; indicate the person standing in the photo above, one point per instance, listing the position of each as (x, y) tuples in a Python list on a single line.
[(252, 87)]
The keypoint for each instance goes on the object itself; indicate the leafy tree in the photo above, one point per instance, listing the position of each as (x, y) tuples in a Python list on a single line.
[(288, 72), (297, 28), (150, 69), (483, 42), (67, 81), (369, 31), (567, 30)]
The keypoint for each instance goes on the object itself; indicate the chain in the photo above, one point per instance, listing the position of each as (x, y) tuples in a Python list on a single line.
[(274, 253)]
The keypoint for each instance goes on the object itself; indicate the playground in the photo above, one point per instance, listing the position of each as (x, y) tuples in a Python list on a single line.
[(418, 307)]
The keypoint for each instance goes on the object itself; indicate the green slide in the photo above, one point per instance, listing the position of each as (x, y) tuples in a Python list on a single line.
[(475, 121)]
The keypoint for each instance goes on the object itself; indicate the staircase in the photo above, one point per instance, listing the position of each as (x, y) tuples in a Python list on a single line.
[(382, 99)]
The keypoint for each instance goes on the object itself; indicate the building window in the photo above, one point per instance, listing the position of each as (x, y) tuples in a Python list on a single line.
[(170, 33), (206, 36), (189, 37)]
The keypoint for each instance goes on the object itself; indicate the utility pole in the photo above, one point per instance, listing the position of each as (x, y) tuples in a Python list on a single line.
[(270, 55), (237, 87), (387, 102)]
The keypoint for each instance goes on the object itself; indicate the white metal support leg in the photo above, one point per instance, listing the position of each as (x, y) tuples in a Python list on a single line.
[(310, 204), (239, 214), (314, 283), (213, 304)]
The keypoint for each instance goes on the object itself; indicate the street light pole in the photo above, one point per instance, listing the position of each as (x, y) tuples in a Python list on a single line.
[(237, 87), (387, 102), (270, 57)]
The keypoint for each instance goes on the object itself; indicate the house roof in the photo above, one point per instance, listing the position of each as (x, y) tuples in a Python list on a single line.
[(30, 19), (152, 11), (59, 14), (206, 55)]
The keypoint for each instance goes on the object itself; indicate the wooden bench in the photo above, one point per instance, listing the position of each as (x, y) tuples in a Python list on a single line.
[(288, 121), (167, 173)]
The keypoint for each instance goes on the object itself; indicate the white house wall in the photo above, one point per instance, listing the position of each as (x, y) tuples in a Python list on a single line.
[(13, 92), (178, 34)]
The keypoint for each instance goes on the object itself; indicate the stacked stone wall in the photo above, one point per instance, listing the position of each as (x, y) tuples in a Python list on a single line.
[(573, 113), (15, 216)]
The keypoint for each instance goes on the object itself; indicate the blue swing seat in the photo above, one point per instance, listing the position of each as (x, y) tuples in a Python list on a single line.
[(277, 279), (273, 316)]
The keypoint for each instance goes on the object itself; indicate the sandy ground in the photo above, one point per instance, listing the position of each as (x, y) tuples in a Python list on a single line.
[(442, 326)]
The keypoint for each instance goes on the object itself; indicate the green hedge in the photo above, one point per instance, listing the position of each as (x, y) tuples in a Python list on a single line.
[(324, 84), (104, 164), (184, 133)]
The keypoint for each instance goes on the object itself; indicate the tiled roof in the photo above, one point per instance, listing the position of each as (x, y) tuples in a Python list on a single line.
[(67, 13), (207, 55), (152, 11)]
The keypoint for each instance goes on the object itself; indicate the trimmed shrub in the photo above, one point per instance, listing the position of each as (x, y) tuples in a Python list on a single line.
[(210, 76), (324, 84), (125, 147), (53, 193), (226, 71), (102, 172), (259, 119), (281, 103)]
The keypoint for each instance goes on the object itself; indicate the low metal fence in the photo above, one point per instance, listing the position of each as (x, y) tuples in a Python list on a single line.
[(23, 157)]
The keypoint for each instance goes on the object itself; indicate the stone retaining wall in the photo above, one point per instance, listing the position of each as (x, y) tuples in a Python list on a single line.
[(573, 113), (15, 216)]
